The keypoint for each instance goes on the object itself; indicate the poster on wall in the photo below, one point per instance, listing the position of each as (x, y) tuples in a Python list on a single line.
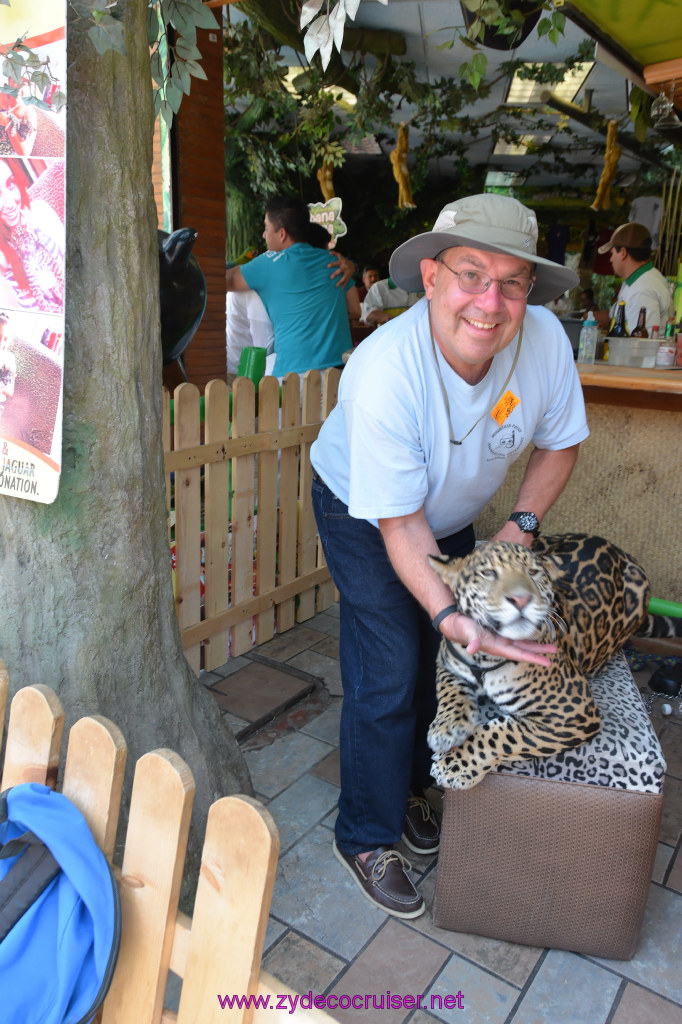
[(32, 244)]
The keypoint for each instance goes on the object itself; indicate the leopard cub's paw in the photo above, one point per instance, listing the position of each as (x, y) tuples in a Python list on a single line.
[(450, 774), (457, 769), (443, 736)]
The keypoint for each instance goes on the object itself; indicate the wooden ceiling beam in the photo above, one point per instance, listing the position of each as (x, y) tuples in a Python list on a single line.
[(666, 71)]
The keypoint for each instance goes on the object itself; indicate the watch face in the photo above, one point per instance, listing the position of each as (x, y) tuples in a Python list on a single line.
[(527, 521)]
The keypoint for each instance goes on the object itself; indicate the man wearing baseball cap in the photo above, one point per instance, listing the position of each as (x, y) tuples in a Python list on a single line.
[(432, 410), (629, 249)]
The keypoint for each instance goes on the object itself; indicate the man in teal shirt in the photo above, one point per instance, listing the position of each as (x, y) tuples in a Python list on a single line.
[(309, 310)]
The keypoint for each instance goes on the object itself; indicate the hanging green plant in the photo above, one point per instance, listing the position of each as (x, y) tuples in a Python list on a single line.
[(640, 105)]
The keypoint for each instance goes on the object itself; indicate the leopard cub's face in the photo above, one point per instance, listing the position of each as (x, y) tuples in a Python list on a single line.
[(503, 586)]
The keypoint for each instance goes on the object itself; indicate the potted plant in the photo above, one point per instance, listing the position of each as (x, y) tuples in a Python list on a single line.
[(500, 24)]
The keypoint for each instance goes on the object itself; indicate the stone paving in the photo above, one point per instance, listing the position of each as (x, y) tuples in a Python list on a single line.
[(283, 701)]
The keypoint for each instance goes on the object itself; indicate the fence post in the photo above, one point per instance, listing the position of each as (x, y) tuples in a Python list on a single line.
[(216, 520)]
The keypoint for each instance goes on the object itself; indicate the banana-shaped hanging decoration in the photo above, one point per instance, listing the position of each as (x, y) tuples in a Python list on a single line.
[(398, 157), (325, 176), (611, 156)]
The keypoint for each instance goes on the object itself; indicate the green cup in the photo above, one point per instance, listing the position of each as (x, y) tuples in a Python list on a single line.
[(252, 363)]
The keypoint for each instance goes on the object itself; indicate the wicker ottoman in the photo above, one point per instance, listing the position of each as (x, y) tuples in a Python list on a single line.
[(558, 852)]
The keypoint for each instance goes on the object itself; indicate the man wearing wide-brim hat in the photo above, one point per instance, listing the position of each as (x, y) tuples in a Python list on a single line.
[(629, 249), (433, 408)]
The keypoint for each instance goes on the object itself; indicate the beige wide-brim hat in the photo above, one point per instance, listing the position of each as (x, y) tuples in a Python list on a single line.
[(490, 222)]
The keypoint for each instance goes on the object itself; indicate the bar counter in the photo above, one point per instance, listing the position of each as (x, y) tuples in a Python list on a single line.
[(657, 388)]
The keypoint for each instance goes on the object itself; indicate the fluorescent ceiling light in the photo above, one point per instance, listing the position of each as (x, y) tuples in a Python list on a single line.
[(526, 90), (503, 179), (521, 147)]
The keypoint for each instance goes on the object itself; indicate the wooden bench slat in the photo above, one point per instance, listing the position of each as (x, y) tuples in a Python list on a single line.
[(93, 776), (231, 910), (156, 842), (34, 737), (4, 692)]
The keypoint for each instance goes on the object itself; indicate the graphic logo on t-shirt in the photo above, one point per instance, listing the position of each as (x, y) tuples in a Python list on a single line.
[(506, 442)]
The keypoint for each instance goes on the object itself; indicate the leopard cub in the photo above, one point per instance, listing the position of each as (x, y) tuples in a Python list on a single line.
[(580, 592)]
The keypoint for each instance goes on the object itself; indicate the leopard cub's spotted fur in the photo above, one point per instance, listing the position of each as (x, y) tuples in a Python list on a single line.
[(580, 592)]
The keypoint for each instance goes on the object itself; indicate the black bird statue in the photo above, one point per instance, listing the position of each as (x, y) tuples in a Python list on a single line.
[(182, 292)]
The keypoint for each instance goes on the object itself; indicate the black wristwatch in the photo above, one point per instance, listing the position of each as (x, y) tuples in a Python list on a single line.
[(526, 521)]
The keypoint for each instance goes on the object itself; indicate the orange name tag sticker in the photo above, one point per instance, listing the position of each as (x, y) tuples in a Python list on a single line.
[(505, 407)]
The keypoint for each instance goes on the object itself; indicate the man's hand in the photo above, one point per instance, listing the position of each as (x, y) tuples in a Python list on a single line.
[(377, 316), (473, 637), (344, 269), (511, 531)]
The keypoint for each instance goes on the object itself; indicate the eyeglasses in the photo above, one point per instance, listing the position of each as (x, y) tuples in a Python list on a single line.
[(473, 283)]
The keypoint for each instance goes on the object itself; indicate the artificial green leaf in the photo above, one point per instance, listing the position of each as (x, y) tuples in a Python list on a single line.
[(174, 96), (181, 76), (203, 15), (108, 35), (13, 67), (195, 69), (178, 15), (640, 128), (157, 67), (559, 20), (57, 100), (187, 50), (166, 112), (153, 25), (41, 80)]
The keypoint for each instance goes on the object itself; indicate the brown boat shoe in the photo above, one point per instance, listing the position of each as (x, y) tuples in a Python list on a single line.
[(383, 880), (421, 831)]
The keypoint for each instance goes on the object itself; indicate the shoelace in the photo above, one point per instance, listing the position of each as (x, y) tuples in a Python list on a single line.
[(423, 805), (381, 863)]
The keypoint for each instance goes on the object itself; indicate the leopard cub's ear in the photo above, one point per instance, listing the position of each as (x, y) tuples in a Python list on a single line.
[(446, 567), (435, 560)]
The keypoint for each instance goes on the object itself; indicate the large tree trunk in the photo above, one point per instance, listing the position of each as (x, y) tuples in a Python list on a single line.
[(87, 598)]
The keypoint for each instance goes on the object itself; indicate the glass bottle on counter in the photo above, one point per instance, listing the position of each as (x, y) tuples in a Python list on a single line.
[(640, 330), (587, 344), (619, 327), (665, 355)]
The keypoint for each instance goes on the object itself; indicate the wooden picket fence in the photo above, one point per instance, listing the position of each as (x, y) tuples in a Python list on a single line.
[(247, 558), (218, 951)]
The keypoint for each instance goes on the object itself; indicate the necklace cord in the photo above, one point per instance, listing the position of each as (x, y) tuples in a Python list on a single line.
[(445, 394)]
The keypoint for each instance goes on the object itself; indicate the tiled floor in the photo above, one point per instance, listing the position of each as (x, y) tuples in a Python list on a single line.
[(283, 701)]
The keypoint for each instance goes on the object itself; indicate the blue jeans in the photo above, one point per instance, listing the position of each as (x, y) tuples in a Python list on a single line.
[(388, 658)]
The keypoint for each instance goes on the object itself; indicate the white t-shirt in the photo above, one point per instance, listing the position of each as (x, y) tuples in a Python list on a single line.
[(384, 298), (648, 288), (385, 449), (246, 323)]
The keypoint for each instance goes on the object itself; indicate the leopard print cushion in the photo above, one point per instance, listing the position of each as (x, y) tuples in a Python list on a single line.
[(626, 753)]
